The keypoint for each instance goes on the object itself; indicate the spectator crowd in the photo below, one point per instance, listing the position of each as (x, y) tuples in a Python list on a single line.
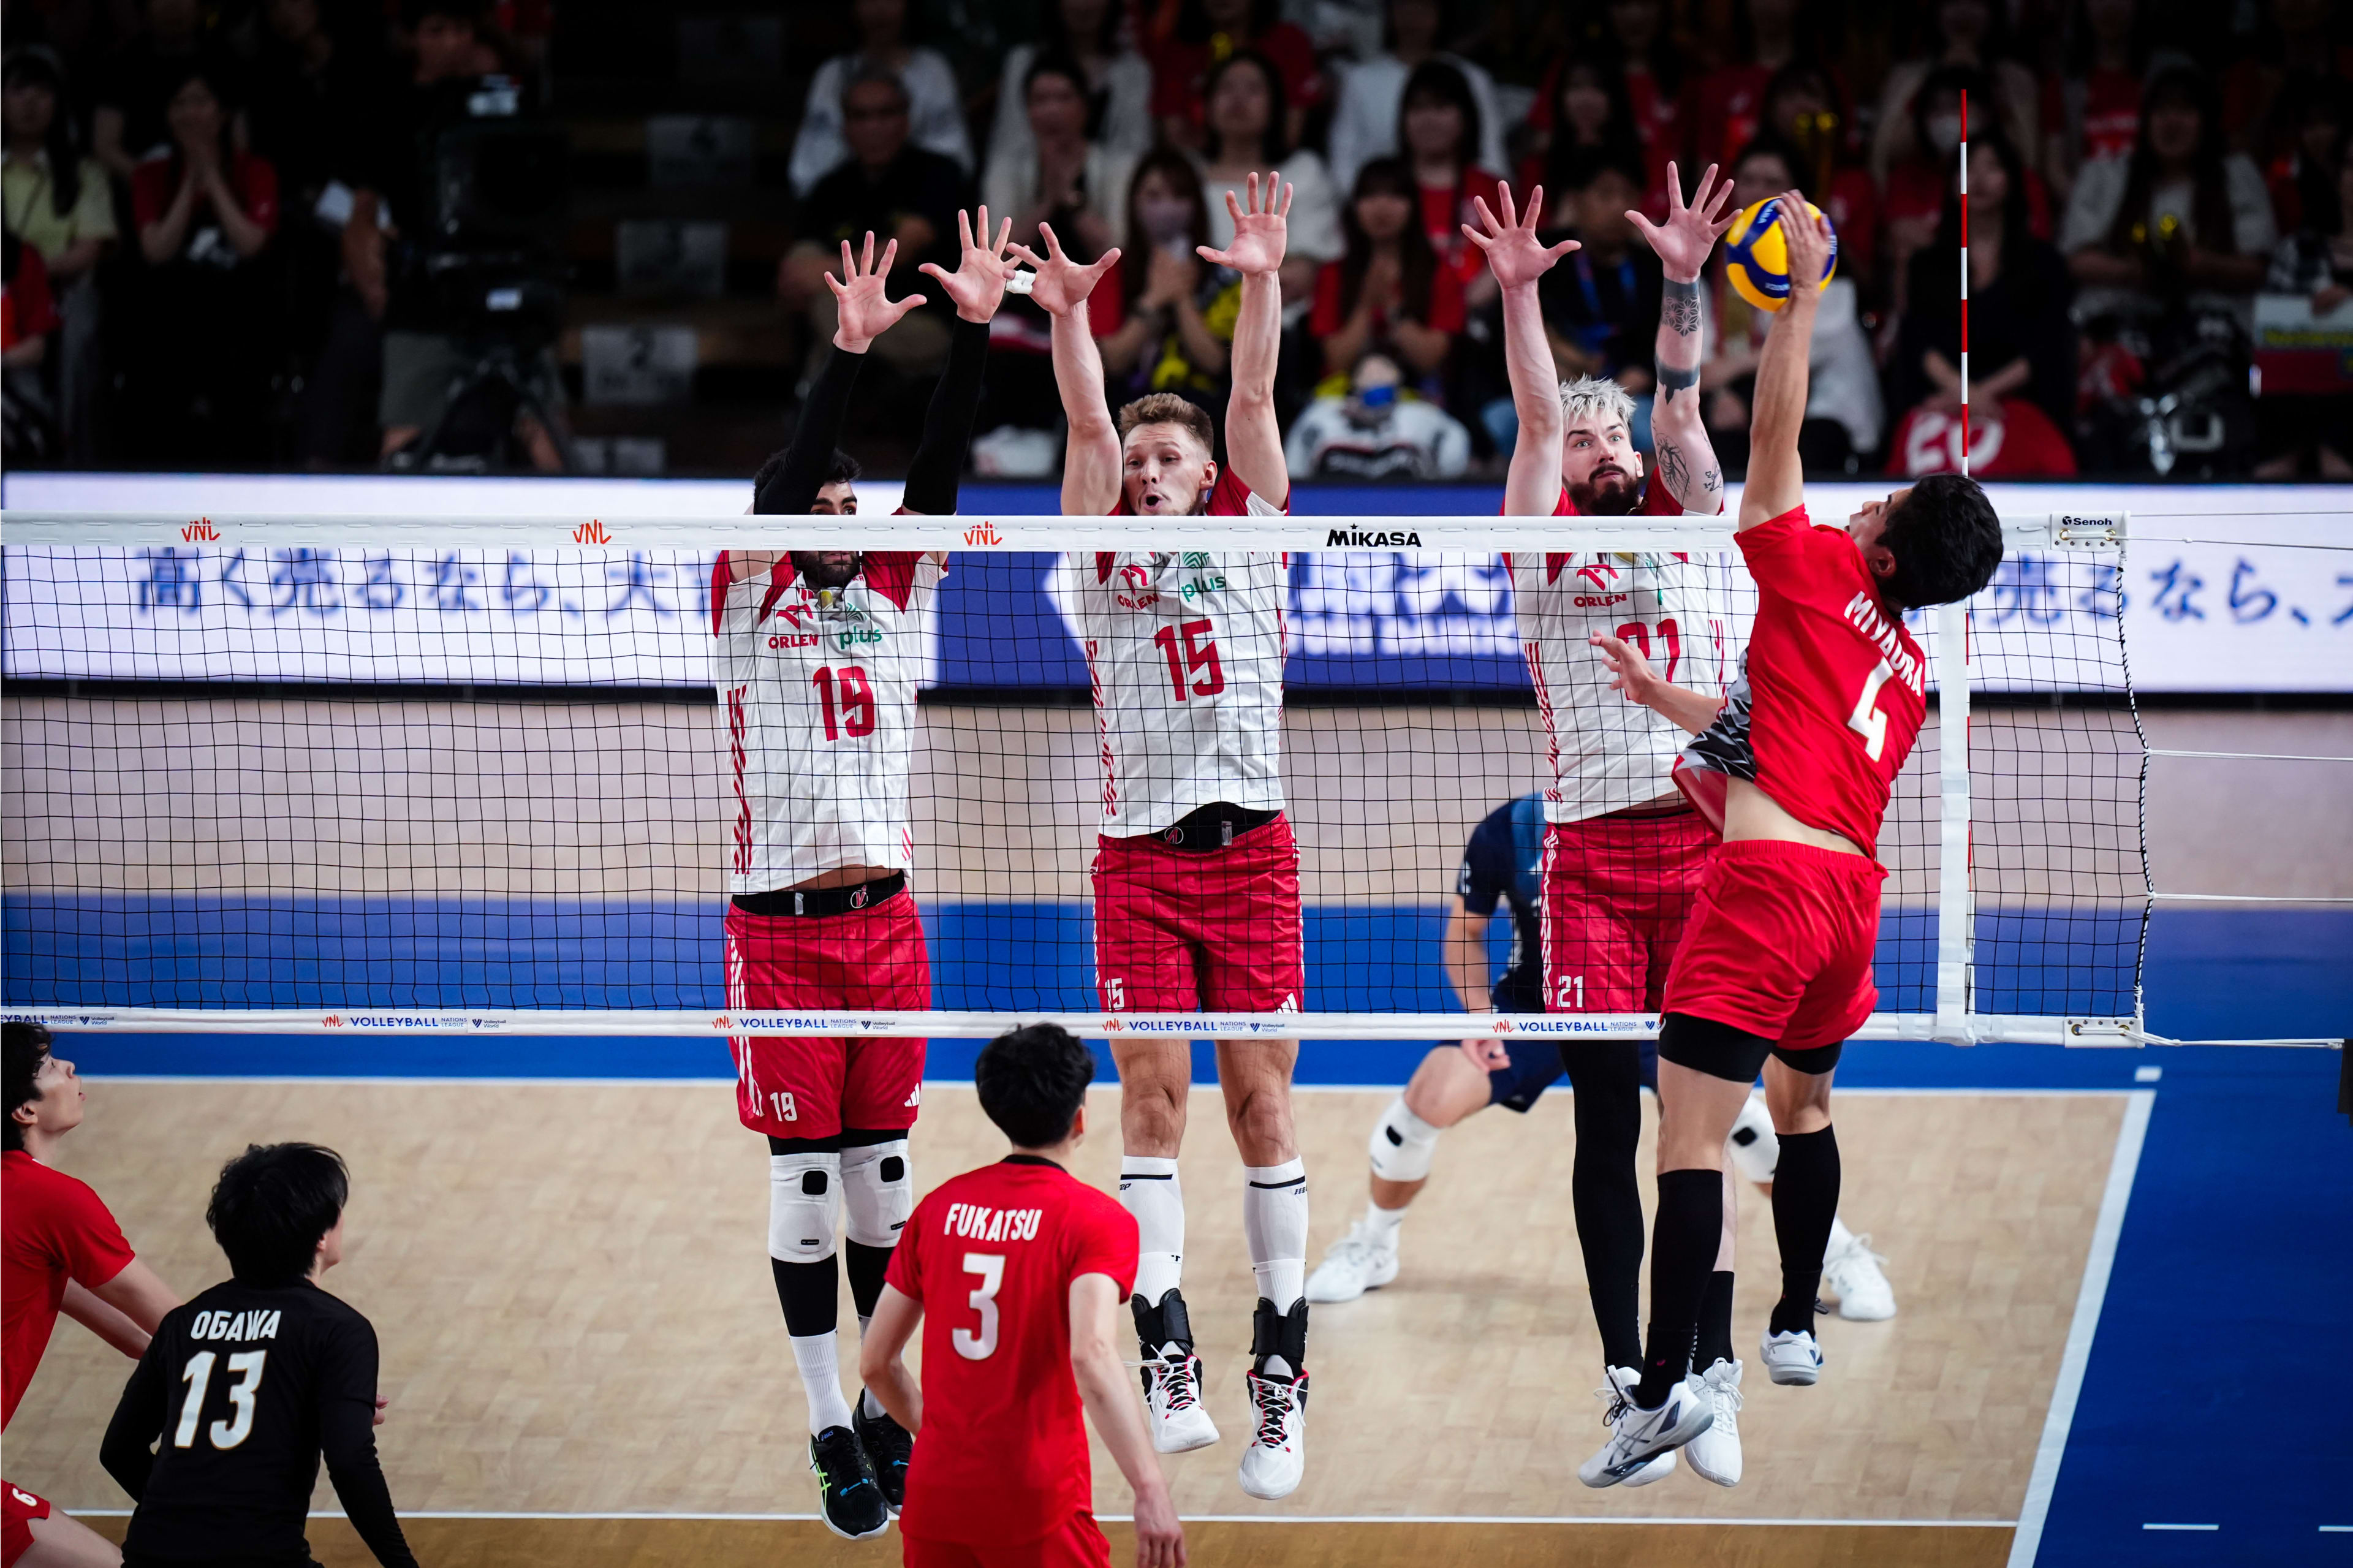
[(214, 209)]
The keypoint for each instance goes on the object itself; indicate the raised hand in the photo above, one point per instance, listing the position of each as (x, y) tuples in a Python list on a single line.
[(865, 312), (1808, 238), (978, 285), (1630, 674), (1063, 284), (1259, 233), (1515, 254), (1690, 232)]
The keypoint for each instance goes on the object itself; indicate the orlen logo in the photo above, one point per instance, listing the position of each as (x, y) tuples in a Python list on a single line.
[(591, 533), (333, 1020), (200, 531), (982, 533)]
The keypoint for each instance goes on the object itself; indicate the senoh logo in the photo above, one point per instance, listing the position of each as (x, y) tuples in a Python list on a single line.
[(591, 533), (1359, 539), (982, 533), (200, 531)]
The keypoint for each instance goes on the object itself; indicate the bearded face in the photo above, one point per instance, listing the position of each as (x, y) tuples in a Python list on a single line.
[(826, 568), (1601, 468)]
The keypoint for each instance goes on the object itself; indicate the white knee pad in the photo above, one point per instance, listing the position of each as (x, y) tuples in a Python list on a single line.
[(878, 1191), (804, 1205), (1402, 1144), (1754, 1151)]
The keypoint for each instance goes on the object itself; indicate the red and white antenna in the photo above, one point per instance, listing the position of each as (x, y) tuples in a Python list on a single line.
[(1964, 282)]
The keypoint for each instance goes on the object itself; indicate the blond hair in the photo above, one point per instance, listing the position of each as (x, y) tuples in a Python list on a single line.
[(1591, 398), (1167, 408)]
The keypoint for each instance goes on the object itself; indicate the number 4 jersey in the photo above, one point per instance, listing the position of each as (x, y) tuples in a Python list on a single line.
[(818, 688), (991, 1255), (1832, 691)]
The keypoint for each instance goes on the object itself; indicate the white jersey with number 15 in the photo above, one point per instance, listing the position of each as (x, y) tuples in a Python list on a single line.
[(1185, 652)]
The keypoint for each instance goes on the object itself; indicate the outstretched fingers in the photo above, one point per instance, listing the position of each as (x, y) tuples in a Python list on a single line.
[(1511, 213), (1536, 205), (1284, 212)]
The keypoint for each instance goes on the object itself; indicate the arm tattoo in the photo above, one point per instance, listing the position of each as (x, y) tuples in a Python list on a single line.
[(1679, 309), (1673, 468)]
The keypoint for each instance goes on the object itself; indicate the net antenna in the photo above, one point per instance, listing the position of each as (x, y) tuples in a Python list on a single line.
[(336, 775)]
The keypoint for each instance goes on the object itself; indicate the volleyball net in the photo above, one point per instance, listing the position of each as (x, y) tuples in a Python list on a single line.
[(351, 773)]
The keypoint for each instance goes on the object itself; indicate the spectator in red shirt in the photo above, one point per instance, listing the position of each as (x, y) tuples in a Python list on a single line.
[(204, 343), (2091, 108), (1965, 35), (1391, 293), (60, 1251), (1806, 106), (27, 318), (1728, 104), (1647, 60), (1438, 135), (1197, 35), (1014, 1273), (1915, 196)]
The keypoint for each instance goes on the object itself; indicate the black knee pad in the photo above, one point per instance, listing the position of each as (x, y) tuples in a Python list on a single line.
[(1717, 1050)]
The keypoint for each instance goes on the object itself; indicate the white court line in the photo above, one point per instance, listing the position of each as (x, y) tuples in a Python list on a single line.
[(2122, 1167), (2337, 1530), (1198, 1518), (2181, 1527)]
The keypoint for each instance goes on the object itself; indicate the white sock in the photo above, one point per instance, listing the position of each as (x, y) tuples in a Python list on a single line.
[(1840, 1237), (1383, 1223), (818, 1358), (1149, 1188), (1275, 1221)]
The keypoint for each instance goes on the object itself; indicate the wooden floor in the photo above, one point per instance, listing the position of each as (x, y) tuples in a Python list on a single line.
[(570, 1284)]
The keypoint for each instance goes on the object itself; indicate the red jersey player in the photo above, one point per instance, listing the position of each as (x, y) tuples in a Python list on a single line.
[(60, 1251), (1774, 970), (817, 660), (1195, 872), (1014, 1272)]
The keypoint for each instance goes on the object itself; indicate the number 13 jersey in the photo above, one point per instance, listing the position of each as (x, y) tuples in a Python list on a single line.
[(1185, 652), (818, 693), (1832, 690)]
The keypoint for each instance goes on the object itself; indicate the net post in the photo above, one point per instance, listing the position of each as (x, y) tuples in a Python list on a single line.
[(1954, 915)]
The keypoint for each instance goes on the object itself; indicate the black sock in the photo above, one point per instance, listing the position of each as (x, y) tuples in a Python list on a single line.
[(1683, 1242), (1805, 1202), (1606, 1078), (868, 1265), (810, 1294), (1714, 1341)]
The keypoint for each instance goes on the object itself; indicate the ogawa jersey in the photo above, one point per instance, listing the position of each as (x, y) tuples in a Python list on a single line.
[(1185, 652), (1609, 753), (818, 692)]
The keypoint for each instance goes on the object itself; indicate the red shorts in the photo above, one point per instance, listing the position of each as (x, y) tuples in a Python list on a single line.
[(19, 1509), (1781, 942), (1220, 931), (814, 1086), (1079, 1543), (1617, 893)]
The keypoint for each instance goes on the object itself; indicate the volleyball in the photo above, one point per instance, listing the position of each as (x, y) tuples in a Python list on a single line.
[(1757, 256)]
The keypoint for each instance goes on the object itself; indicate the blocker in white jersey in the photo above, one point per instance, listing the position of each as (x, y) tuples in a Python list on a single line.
[(1606, 754), (818, 685)]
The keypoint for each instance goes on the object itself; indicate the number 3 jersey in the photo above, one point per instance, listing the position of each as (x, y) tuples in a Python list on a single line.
[(990, 1256), (1185, 652), (240, 1395), (818, 691), (1609, 753), (1832, 690)]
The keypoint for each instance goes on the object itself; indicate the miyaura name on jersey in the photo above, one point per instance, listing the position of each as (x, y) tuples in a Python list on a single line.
[(977, 1223), (845, 626), (1140, 583), (236, 1326)]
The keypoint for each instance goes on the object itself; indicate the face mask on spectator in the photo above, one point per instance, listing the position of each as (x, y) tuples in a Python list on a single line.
[(1168, 222)]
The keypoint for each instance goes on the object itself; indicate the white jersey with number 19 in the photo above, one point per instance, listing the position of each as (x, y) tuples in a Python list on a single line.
[(818, 688)]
